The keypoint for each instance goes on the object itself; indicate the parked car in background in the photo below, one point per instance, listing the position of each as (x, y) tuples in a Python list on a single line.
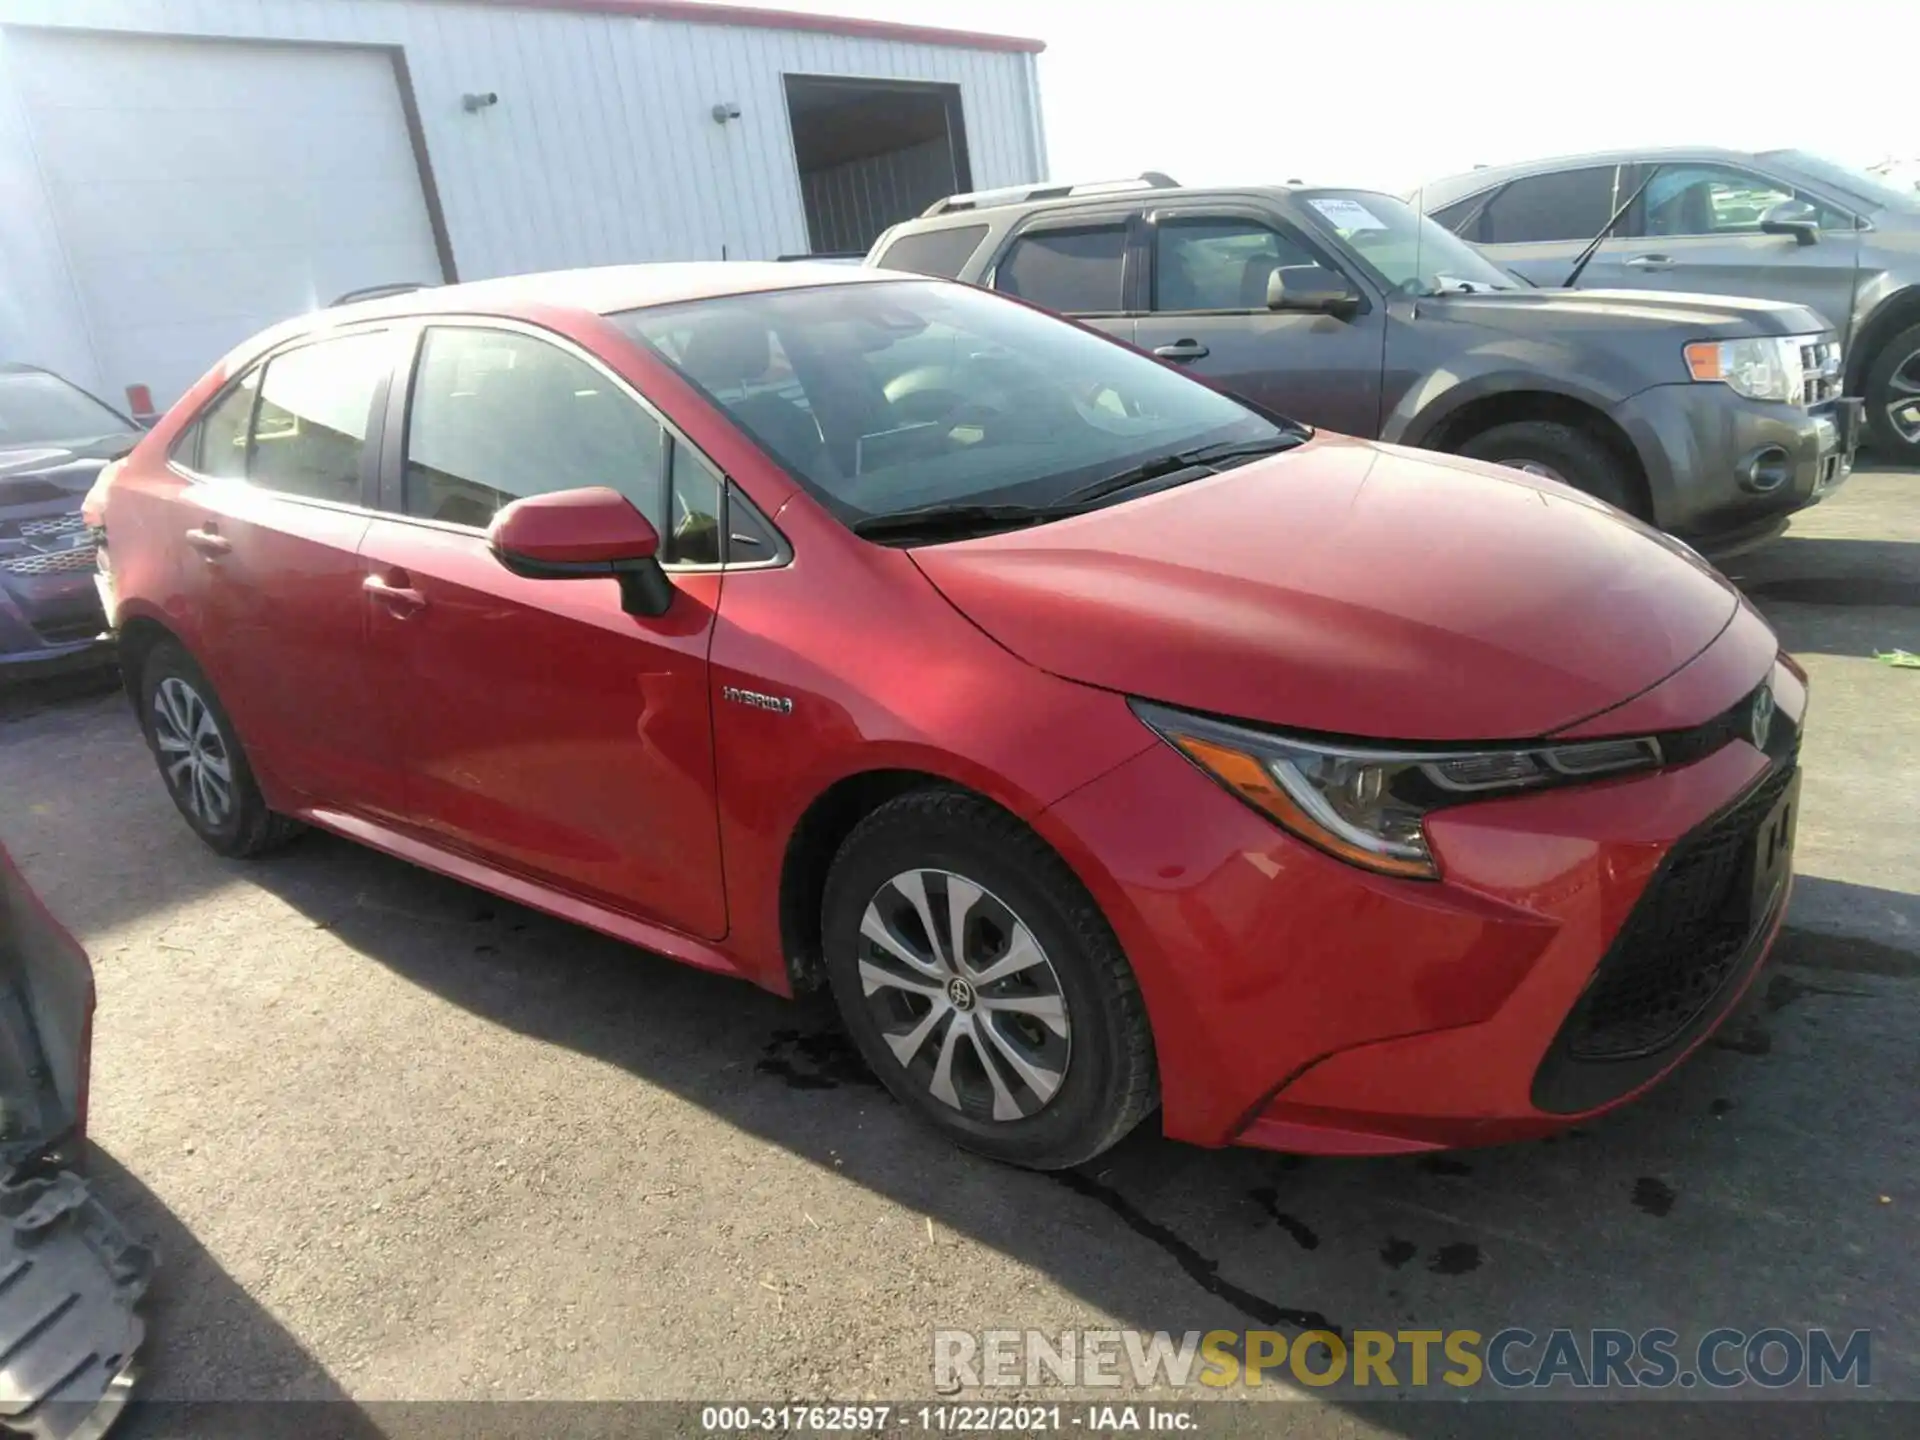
[(1100, 742), (1781, 224), (54, 439), (1714, 420), (73, 1276)]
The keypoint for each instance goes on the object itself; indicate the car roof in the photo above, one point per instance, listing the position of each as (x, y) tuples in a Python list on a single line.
[(602, 290), (1449, 188), (988, 213)]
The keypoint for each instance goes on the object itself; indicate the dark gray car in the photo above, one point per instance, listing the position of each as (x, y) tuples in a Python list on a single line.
[(1344, 309), (54, 440), (1780, 224)]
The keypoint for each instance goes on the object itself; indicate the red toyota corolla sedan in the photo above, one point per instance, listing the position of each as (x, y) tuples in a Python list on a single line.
[(1101, 742)]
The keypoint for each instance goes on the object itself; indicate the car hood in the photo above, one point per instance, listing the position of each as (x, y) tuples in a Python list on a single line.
[(1350, 588), (1701, 316)]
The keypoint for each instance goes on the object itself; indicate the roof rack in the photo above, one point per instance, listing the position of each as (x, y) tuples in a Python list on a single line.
[(381, 292), (1024, 194)]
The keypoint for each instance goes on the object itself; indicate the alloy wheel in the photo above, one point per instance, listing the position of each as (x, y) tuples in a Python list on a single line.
[(1903, 399), (193, 753), (964, 996)]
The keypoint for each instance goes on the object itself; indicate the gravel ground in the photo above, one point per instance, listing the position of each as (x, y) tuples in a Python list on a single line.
[(398, 1140)]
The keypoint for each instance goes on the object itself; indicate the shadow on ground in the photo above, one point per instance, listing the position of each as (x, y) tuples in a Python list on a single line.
[(1734, 1194), (193, 1300)]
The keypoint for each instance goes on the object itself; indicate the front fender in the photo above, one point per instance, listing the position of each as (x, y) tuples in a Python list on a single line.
[(1427, 406)]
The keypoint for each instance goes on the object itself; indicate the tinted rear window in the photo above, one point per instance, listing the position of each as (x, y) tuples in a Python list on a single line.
[(1567, 205), (935, 252), (1077, 272)]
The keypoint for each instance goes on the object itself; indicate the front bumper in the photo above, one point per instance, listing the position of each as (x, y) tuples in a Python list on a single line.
[(1301, 1004), (1725, 471), (52, 622)]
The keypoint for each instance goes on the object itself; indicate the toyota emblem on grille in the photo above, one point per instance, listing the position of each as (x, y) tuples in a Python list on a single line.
[(1760, 722)]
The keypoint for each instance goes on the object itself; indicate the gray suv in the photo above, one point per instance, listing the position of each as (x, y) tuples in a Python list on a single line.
[(1780, 224), (1712, 418)]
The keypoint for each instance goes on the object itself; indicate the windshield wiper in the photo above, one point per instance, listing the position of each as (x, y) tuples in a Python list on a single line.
[(953, 521), (950, 521), (1200, 458), (1593, 246)]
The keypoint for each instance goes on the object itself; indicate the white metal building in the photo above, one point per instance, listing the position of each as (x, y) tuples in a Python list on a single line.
[(177, 174)]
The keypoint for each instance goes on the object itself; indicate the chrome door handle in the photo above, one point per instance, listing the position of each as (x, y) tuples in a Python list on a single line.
[(1182, 350), (401, 599), (1649, 262)]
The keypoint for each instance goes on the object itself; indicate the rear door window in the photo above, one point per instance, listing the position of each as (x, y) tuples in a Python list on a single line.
[(1205, 262), (219, 446), (1565, 205), (310, 428), (497, 415), (935, 252), (1077, 271)]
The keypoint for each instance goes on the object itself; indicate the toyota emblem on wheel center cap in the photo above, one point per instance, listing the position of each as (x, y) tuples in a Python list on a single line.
[(1760, 722), (959, 994)]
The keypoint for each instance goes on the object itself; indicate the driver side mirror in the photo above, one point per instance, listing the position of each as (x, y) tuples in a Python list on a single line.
[(1311, 288), (582, 535), (1792, 217)]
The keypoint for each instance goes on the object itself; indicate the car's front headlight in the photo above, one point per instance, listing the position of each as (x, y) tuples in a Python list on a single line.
[(1367, 804), (1761, 368)]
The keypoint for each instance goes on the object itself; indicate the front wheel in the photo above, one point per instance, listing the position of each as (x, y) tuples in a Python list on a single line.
[(983, 985), (1893, 398), (1560, 452)]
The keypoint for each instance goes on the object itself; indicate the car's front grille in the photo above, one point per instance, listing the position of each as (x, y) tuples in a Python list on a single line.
[(1683, 941), (59, 530), (1820, 364), (49, 562)]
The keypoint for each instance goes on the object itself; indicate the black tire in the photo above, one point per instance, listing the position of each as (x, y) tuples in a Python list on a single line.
[(244, 826), (1574, 455), (1106, 1084), (1899, 357)]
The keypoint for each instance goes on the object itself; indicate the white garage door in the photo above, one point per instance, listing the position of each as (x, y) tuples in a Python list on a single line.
[(206, 189)]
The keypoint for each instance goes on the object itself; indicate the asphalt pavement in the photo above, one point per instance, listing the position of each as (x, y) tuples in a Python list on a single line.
[(396, 1139)]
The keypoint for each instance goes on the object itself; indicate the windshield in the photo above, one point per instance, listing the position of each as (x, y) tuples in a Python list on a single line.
[(894, 396), (41, 409), (1857, 183), (1412, 254)]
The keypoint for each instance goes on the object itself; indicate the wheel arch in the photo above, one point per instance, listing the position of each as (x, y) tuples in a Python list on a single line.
[(138, 636), (1895, 313), (1477, 415), (816, 837)]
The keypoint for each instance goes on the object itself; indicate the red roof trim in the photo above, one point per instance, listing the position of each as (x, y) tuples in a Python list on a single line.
[(692, 13)]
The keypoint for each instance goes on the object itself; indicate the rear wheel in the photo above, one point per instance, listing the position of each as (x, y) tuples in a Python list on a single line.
[(1893, 398), (1561, 452), (200, 758), (983, 985)]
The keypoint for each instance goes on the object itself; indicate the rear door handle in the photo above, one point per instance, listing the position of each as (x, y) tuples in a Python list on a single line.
[(209, 542), (1649, 262), (1182, 350), (393, 591)]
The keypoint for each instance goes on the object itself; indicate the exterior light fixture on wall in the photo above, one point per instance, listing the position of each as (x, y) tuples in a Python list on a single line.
[(475, 101), (726, 110)]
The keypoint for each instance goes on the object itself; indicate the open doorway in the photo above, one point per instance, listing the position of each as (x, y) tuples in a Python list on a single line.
[(873, 152)]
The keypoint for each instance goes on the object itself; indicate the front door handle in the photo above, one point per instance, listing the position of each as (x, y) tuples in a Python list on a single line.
[(1650, 262), (1182, 350), (209, 542), (393, 591)]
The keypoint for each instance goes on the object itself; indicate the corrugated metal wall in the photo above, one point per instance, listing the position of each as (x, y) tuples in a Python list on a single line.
[(849, 205), (601, 150)]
